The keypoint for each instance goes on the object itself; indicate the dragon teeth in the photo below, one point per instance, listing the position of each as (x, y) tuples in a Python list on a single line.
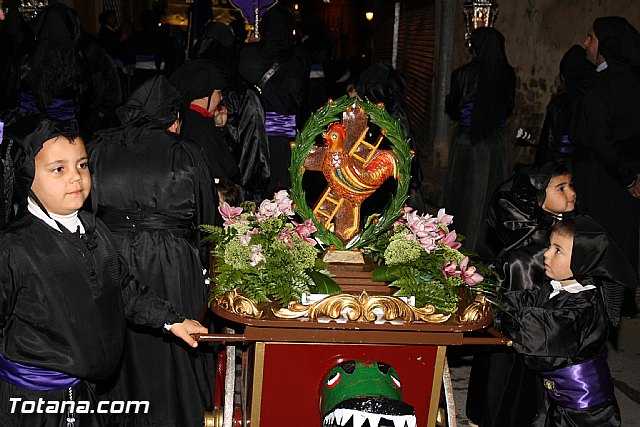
[(359, 419), (341, 417)]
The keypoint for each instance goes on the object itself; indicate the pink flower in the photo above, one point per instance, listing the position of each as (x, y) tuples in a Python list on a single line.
[(443, 219), (257, 255), (229, 214), (450, 240), (246, 238), (286, 236), (428, 243), (450, 269), (305, 230), (267, 209), (468, 273), (284, 202)]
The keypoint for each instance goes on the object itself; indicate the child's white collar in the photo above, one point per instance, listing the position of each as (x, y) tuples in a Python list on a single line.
[(71, 222), (573, 288)]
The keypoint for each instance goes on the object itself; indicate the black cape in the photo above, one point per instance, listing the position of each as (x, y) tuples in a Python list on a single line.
[(153, 191), (63, 305)]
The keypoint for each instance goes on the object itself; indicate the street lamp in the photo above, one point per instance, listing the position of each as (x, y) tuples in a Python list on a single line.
[(368, 15), (479, 13)]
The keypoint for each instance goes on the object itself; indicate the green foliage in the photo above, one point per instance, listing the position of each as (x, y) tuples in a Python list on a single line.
[(420, 257), (266, 257)]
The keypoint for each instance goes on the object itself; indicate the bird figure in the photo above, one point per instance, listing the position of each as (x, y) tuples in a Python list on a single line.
[(349, 178), (354, 169)]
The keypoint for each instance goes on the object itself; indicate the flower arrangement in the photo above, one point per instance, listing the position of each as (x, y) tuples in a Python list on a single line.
[(265, 254), (420, 256)]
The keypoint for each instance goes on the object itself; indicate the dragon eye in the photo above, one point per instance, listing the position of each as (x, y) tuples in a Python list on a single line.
[(333, 380), (334, 136)]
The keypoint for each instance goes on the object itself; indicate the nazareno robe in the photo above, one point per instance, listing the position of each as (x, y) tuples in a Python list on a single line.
[(502, 391), (153, 196), (559, 332), (563, 335), (152, 188), (63, 302), (481, 98)]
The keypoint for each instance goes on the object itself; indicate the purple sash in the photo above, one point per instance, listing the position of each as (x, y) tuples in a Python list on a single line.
[(565, 145), (280, 124), (467, 111), (1, 130), (580, 386), (61, 109), (33, 378), (465, 114)]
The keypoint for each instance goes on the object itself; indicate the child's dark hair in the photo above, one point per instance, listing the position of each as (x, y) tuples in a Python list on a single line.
[(561, 169), (564, 228), (229, 192)]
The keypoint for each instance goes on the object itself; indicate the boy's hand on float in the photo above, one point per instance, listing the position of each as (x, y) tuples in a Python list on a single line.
[(185, 329)]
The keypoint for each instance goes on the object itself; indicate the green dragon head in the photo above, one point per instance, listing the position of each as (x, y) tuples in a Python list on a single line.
[(362, 390)]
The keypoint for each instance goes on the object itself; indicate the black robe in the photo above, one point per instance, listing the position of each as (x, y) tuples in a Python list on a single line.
[(607, 129), (283, 93), (476, 168), (153, 194), (565, 330), (203, 131), (63, 304), (502, 391)]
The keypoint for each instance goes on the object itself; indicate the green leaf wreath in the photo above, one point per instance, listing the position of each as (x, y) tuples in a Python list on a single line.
[(304, 142)]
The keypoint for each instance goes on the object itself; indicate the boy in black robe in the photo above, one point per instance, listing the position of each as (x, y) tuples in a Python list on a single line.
[(65, 291), (561, 328), (502, 391)]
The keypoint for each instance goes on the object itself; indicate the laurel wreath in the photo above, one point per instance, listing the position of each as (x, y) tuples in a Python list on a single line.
[(303, 144)]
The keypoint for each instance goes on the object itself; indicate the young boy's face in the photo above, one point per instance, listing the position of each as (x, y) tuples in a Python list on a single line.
[(557, 258), (560, 195), (62, 181)]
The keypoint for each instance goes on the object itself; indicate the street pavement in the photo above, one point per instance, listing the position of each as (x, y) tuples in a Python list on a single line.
[(623, 362)]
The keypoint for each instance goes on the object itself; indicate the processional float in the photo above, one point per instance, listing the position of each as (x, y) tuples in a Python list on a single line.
[(393, 291)]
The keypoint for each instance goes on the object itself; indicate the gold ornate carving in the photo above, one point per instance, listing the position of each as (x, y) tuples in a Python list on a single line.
[(360, 308), (476, 311), (238, 304)]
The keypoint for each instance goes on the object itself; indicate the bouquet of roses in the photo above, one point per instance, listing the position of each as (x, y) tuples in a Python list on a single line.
[(265, 254), (420, 256)]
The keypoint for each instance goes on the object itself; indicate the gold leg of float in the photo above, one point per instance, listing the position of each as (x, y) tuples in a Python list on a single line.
[(437, 385), (214, 419), (256, 392)]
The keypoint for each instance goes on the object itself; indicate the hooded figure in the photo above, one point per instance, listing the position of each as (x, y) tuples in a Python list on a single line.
[(575, 73), (195, 80), (65, 291), (501, 390), (606, 129), (281, 80), (54, 76), (618, 40), (480, 99), (152, 188), (561, 328)]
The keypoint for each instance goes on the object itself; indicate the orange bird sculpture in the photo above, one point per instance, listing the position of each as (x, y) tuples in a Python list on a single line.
[(352, 181), (353, 168)]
